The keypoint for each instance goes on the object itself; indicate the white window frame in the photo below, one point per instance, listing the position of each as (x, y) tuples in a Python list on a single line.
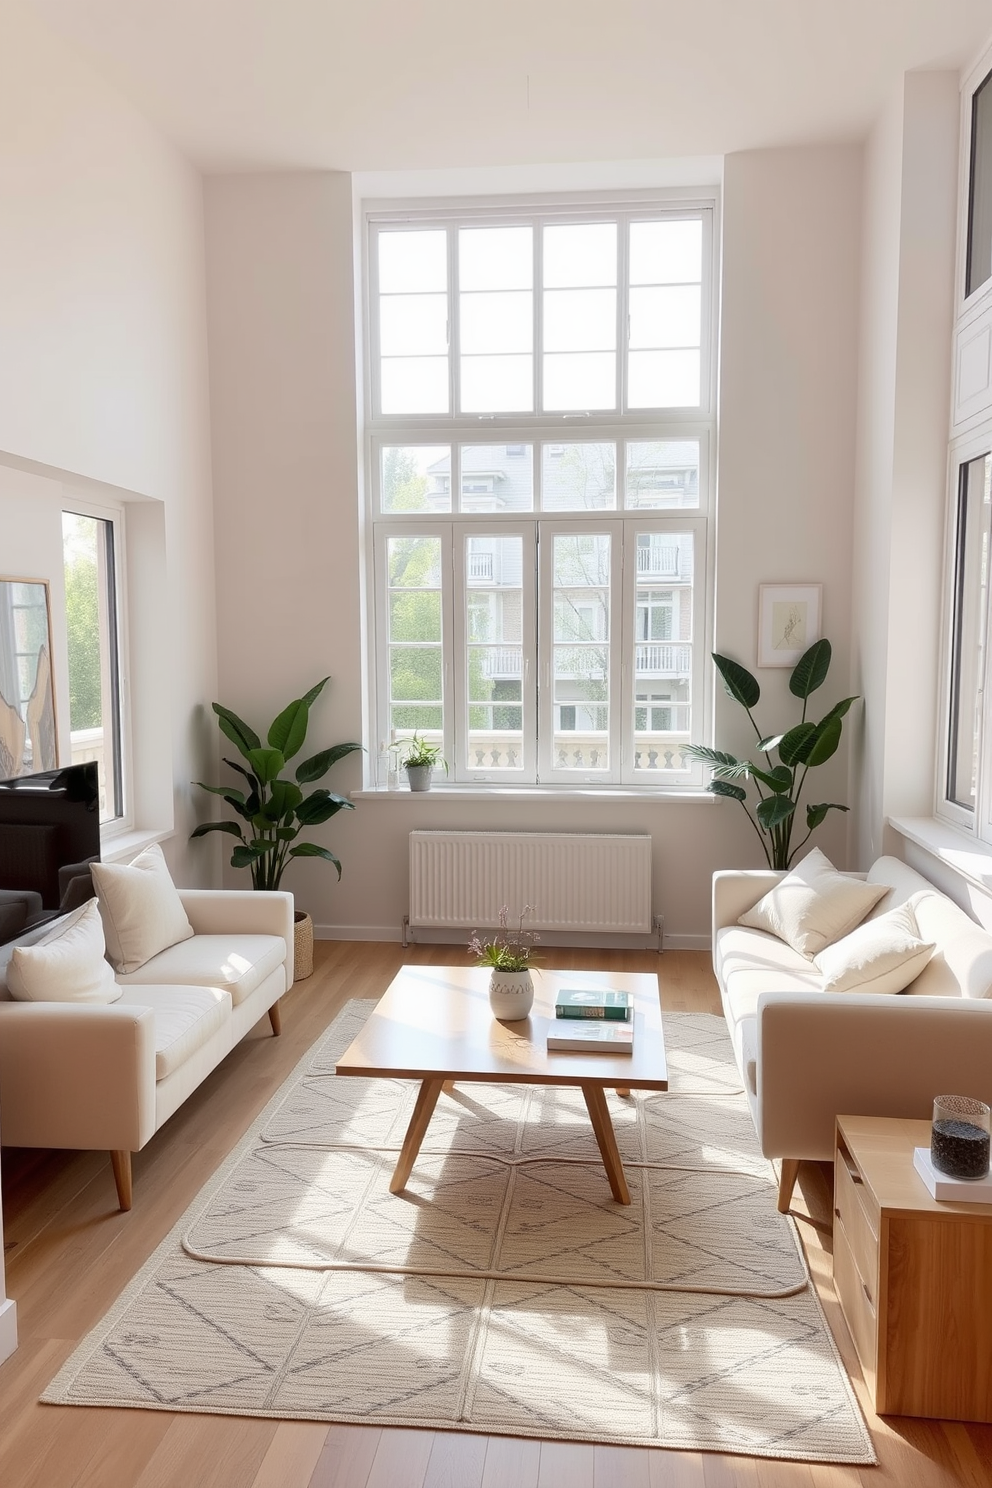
[(536, 429), (116, 517)]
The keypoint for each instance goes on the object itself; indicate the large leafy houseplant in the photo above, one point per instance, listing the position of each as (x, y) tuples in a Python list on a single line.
[(779, 784), (273, 811)]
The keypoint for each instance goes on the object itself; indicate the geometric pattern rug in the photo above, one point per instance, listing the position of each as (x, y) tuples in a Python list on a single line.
[(504, 1291)]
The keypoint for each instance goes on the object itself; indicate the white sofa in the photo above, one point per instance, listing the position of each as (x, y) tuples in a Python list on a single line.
[(806, 1056), (106, 1076)]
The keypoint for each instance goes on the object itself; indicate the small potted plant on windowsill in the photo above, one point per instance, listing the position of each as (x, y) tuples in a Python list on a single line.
[(419, 758)]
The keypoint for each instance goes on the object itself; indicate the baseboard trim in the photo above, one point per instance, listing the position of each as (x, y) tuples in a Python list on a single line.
[(394, 933), (8, 1328)]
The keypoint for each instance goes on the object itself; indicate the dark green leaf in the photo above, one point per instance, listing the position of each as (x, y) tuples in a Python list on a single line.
[(840, 709), (244, 857), (288, 731), (319, 764), (283, 800), (224, 826), (738, 681), (311, 697), (772, 742), (811, 669), (795, 744), (252, 780), (227, 791), (286, 834), (724, 788), (825, 744), (235, 729), (320, 807), (778, 780), (263, 845), (816, 814), (311, 850), (267, 764), (773, 810)]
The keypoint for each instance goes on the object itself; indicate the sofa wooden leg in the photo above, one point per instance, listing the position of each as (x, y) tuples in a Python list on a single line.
[(275, 1018), (121, 1162), (787, 1182)]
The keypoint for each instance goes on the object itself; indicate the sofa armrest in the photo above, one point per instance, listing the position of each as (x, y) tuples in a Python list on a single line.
[(243, 912), (77, 1075), (822, 1055), (735, 891)]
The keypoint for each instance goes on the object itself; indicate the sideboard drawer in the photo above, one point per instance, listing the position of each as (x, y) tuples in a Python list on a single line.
[(857, 1303)]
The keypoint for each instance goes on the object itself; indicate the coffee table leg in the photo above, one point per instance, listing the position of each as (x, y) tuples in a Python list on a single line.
[(599, 1115), (420, 1120)]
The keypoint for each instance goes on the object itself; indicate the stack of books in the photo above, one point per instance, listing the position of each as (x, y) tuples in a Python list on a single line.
[(591, 1020)]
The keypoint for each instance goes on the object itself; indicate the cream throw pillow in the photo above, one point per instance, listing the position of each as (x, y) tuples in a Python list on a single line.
[(882, 955), (67, 965), (814, 905), (141, 908)]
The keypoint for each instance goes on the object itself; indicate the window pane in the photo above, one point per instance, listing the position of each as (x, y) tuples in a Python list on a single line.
[(580, 256), (662, 473), (413, 262), (577, 381), (496, 258), (497, 477), (579, 477), (662, 650), (663, 317), (416, 478), (497, 384), (27, 708), (414, 325), (663, 379), (970, 601), (91, 633), (666, 252), (980, 189), (414, 384), (414, 607), (494, 660), (580, 651), (497, 322), (580, 320)]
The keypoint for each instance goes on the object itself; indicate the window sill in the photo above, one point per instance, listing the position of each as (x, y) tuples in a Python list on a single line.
[(959, 851), (121, 847), (531, 793)]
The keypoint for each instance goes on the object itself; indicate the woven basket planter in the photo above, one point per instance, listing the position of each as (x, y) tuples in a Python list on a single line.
[(302, 946)]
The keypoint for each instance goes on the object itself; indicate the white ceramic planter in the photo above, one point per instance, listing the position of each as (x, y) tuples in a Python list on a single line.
[(419, 776), (511, 995)]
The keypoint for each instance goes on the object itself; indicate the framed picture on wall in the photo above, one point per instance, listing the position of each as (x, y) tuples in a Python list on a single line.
[(788, 622), (28, 737)]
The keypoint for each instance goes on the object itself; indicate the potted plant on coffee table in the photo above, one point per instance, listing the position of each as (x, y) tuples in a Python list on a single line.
[(508, 954), (419, 758), (272, 810)]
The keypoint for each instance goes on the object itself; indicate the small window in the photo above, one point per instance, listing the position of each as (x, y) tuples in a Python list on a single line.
[(979, 267), (92, 641)]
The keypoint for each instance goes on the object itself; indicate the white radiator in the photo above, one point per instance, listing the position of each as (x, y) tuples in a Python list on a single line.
[(572, 881)]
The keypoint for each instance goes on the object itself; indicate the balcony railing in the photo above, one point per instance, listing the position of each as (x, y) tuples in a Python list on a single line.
[(662, 659), (661, 561), (654, 753)]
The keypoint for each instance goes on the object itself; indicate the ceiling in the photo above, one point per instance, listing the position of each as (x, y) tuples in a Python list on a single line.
[(375, 85)]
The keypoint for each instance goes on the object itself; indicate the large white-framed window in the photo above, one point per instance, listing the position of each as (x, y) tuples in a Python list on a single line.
[(93, 539), (540, 425)]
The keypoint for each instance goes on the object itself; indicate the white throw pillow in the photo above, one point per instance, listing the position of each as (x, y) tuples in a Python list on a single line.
[(814, 905), (882, 955), (67, 965), (141, 908)]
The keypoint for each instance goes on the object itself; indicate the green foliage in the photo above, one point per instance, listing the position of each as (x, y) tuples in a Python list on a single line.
[(273, 811), (800, 749), (416, 752), (82, 618)]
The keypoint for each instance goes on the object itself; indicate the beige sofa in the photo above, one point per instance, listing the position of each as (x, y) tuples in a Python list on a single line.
[(806, 1056), (106, 1076)]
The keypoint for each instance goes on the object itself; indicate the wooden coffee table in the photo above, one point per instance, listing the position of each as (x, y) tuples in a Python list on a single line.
[(434, 1024)]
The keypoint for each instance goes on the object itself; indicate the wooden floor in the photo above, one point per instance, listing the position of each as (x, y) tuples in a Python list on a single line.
[(69, 1253)]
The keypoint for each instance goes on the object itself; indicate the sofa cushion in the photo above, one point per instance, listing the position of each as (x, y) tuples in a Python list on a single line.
[(238, 963), (882, 955), (67, 964), (749, 962), (814, 905), (961, 966), (185, 1018), (141, 908)]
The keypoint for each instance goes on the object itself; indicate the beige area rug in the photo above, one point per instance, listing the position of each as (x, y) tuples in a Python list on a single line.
[(504, 1291)]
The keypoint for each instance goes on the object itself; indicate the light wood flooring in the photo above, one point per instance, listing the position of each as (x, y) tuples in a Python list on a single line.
[(69, 1253)]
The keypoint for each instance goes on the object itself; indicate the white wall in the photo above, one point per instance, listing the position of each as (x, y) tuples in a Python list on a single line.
[(903, 410), (281, 283), (103, 373)]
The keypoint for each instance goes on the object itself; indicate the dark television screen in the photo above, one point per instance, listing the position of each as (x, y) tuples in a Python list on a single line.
[(49, 831)]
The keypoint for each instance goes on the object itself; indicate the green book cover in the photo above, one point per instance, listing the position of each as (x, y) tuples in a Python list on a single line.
[(582, 1002)]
